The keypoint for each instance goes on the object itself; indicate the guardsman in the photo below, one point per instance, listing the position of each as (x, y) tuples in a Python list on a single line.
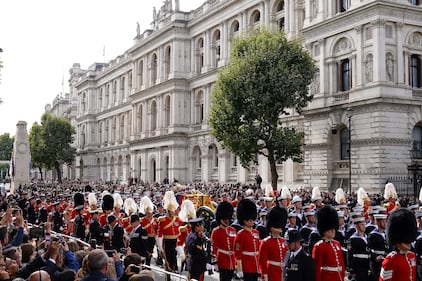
[(222, 240), (298, 265), (187, 213), (378, 245), (57, 218), (95, 230), (197, 257), (273, 249), (400, 264), (358, 251), (107, 205), (168, 232), (130, 208), (327, 254), (247, 241), (418, 245), (150, 224), (390, 195)]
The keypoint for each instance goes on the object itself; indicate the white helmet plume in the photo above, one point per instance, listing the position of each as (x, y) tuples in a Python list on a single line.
[(285, 193), (187, 210), (92, 199), (169, 201), (146, 205), (390, 191), (340, 196), (130, 206), (316, 194), (118, 201), (362, 196)]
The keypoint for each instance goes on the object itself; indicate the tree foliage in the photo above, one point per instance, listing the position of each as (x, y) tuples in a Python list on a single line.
[(267, 77), (51, 142), (6, 146)]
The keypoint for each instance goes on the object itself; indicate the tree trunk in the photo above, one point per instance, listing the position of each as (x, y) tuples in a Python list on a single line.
[(59, 172), (40, 170), (273, 168)]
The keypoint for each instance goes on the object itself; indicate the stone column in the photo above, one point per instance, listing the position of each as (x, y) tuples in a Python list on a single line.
[(359, 68), (379, 50), (401, 60)]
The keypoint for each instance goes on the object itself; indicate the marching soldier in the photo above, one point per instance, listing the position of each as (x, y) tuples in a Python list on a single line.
[(297, 209), (187, 213), (298, 265), (378, 245), (95, 230), (42, 212), (247, 241), (32, 214), (130, 208), (400, 264), (57, 218), (107, 205), (138, 237), (390, 194), (358, 251), (307, 229), (272, 250), (168, 232), (327, 254), (316, 199), (418, 246), (79, 223), (116, 233), (222, 240), (149, 223)]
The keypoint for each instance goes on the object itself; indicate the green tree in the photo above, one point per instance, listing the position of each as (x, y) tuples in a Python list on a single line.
[(6, 146), (267, 78), (52, 143)]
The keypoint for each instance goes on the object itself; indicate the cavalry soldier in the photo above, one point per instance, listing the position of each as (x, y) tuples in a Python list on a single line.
[(316, 199), (400, 264), (378, 245), (187, 213), (222, 240), (247, 241), (92, 201), (364, 201), (327, 254), (390, 194), (298, 265), (272, 250), (168, 232), (150, 224), (358, 252), (130, 208)]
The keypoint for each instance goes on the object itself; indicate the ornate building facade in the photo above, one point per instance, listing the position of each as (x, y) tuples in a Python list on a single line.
[(144, 114)]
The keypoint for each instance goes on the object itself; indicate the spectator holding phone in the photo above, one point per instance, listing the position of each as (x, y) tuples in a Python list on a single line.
[(98, 265), (131, 263)]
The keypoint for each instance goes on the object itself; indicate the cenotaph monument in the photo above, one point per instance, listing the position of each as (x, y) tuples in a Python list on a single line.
[(21, 157)]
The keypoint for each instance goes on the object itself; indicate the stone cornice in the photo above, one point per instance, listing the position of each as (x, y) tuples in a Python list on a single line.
[(366, 142)]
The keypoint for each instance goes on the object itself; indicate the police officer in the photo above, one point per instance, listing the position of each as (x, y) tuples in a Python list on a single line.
[(298, 265), (197, 257)]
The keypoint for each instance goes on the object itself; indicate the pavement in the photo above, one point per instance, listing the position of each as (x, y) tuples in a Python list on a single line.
[(160, 275)]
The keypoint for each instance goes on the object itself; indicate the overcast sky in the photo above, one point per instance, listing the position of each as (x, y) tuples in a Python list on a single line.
[(42, 39)]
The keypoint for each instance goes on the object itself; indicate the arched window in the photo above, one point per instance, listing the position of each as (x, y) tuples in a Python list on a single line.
[(100, 99), (167, 112), (199, 107), (216, 48), (200, 55), (122, 89), (153, 116), (154, 69), (107, 97), (344, 144), (139, 118), (344, 5), (83, 101), (167, 62), (256, 17), (141, 73), (345, 75), (114, 94)]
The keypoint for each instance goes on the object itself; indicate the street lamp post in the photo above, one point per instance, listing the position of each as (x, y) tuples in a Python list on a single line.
[(349, 115)]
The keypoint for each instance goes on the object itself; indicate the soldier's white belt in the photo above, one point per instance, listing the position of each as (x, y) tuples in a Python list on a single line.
[(229, 253), (332, 268), (276, 263), (361, 256), (249, 253), (378, 252)]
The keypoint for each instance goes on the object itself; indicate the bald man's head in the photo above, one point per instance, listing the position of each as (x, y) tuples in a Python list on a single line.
[(40, 275)]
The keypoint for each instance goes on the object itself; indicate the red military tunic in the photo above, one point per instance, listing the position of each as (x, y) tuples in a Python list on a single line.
[(399, 267), (246, 250), (184, 231), (272, 252), (169, 228), (222, 240), (150, 226), (328, 260)]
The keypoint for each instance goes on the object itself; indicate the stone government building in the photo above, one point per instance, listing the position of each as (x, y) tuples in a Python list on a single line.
[(144, 114)]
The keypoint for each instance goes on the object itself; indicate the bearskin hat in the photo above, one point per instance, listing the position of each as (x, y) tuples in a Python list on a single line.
[(246, 210), (78, 199), (277, 218), (108, 202), (88, 188), (224, 211), (327, 218), (401, 227)]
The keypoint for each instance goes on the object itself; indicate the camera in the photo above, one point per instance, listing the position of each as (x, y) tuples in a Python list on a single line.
[(36, 232), (135, 269), (109, 253), (93, 243)]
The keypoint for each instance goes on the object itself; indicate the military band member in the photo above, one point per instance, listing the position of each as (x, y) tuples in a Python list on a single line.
[(378, 245), (168, 232), (150, 224), (107, 206), (327, 254), (272, 249), (222, 240), (358, 252), (418, 246), (197, 257), (400, 264), (298, 265), (247, 241)]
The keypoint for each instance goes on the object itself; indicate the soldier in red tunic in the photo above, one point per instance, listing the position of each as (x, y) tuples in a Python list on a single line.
[(107, 206), (400, 264), (150, 224), (390, 194), (168, 232), (222, 240), (247, 241), (273, 249), (327, 253), (187, 213)]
